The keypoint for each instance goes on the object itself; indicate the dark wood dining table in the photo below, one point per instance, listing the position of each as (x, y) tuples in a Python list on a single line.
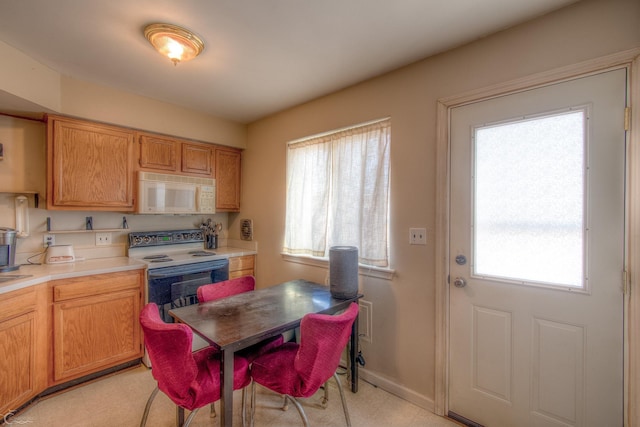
[(233, 323)]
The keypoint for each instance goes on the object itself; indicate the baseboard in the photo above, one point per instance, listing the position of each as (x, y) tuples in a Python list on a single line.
[(389, 386)]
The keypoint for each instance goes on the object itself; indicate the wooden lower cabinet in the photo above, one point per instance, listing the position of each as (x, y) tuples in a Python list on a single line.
[(242, 266), (95, 323), (23, 346)]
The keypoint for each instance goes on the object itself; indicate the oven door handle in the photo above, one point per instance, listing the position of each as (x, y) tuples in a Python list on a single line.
[(161, 273)]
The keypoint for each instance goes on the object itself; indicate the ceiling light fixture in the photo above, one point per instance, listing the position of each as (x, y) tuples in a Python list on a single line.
[(177, 43)]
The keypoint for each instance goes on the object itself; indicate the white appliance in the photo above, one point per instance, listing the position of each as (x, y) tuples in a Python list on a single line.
[(175, 194), (177, 265), (58, 254)]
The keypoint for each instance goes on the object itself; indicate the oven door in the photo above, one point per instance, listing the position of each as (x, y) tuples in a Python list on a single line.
[(171, 287)]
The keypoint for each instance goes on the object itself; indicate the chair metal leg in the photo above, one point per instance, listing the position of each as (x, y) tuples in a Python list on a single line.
[(244, 406), (190, 417), (212, 414), (253, 402), (179, 416), (147, 407), (344, 401), (298, 406), (325, 399)]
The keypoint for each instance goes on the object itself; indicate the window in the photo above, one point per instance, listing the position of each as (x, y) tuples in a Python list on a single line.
[(338, 193)]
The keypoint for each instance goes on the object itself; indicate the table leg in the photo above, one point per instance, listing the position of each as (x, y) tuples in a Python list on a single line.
[(353, 355), (226, 383)]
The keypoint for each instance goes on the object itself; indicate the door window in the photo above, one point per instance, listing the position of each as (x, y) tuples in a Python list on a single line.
[(529, 186)]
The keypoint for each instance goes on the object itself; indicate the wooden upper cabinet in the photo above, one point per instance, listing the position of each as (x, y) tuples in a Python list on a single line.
[(167, 154), (228, 179), (89, 165), (158, 153), (196, 158)]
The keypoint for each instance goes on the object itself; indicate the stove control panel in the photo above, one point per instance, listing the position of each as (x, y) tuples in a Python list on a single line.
[(160, 238)]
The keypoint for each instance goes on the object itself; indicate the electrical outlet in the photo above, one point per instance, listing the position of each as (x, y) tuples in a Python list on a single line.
[(418, 236), (48, 240), (103, 239)]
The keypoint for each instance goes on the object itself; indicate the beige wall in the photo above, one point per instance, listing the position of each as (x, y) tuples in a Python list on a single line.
[(401, 355), (95, 102), (28, 87), (25, 82)]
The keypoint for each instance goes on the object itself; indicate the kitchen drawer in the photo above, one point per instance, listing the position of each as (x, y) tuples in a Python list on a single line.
[(246, 262), (77, 287), (241, 273), (17, 302)]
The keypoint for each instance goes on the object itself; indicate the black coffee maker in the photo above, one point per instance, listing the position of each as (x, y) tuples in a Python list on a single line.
[(8, 250)]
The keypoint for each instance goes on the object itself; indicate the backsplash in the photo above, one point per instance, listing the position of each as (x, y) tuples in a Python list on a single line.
[(84, 242)]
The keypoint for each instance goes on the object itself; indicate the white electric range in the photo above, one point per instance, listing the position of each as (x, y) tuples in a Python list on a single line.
[(177, 264)]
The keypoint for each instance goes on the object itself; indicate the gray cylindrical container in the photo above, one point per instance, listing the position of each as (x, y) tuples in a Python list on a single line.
[(343, 271)]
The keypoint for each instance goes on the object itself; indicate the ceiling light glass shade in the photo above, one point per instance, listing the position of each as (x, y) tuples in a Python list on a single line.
[(177, 43)]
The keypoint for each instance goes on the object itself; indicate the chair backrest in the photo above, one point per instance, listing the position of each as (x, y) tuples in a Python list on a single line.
[(322, 339), (227, 288), (169, 349)]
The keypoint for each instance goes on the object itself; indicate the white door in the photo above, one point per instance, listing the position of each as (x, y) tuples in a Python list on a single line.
[(537, 256)]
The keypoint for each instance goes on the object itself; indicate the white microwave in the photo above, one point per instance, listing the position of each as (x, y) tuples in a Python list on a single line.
[(175, 194)]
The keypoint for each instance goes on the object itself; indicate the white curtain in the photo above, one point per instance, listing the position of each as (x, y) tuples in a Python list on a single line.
[(338, 193)]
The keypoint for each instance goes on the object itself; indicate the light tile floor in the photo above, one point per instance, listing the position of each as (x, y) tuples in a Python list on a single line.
[(119, 399)]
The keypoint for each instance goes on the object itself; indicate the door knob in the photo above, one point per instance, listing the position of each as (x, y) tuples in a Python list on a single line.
[(459, 282)]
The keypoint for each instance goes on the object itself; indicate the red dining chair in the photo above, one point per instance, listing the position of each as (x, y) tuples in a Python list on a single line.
[(236, 286), (190, 379), (299, 370)]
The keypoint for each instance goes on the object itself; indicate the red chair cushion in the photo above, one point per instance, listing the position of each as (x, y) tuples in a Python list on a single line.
[(274, 370)]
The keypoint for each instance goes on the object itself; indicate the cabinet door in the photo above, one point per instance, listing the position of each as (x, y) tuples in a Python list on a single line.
[(95, 333), (89, 166), (23, 346), (158, 153), (228, 183), (196, 158), (18, 361), (242, 266)]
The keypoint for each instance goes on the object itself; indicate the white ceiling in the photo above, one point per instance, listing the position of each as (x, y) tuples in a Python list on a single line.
[(260, 56)]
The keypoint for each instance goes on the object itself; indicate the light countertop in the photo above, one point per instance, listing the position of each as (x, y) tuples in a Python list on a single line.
[(45, 272)]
